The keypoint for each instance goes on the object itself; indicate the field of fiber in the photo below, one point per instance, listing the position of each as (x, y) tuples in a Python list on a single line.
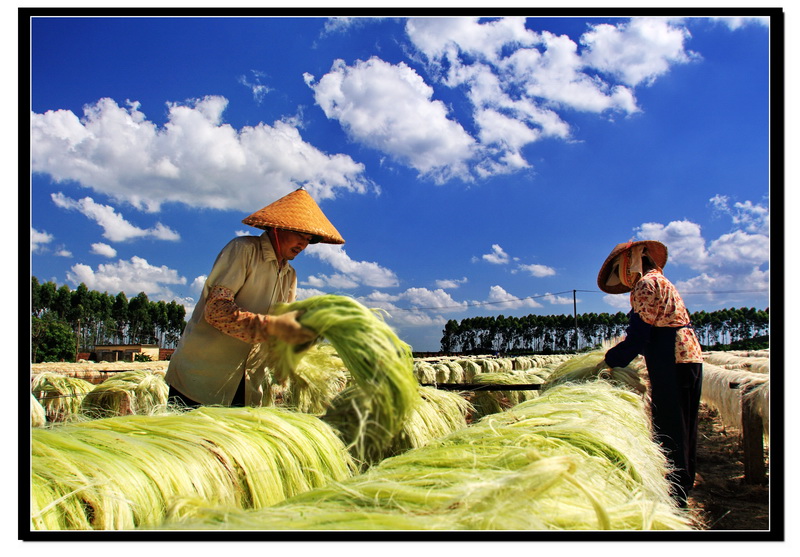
[(359, 435)]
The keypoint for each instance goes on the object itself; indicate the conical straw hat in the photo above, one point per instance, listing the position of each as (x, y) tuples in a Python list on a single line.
[(656, 250), (296, 211)]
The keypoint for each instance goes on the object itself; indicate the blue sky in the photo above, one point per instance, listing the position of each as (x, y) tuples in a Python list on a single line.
[(474, 167)]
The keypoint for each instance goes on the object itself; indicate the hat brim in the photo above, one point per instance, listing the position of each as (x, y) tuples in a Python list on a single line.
[(655, 250), (298, 212)]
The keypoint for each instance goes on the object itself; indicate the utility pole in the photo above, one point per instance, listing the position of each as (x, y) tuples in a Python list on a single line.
[(575, 314)]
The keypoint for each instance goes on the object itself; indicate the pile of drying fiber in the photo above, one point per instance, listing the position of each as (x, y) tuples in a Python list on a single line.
[(748, 386), (379, 363), (581, 368), (129, 392), (579, 457), (319, 377), (60, 395), (487, 402), (438, 413), (735, 360), (123, 472), (38, 417)]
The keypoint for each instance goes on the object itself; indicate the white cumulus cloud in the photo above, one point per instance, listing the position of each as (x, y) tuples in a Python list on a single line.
[(103, 249), (735, 261), (115, 227), (389, 107), (131, 277), (497, 257), (538, 270), (438, 299), (351, 272), (451, 283), (500, 298), (638, 51), (194, 159), (39, 239)]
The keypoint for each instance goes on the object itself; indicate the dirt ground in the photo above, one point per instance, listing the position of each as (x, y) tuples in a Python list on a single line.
[(721, 499)]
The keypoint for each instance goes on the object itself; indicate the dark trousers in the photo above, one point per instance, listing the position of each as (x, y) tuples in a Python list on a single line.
[(177, 397), (675, 401)]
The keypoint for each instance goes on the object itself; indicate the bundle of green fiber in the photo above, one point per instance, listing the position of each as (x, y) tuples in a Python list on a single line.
[(424, 372), (762, 353), (505, 364), (442, 372), (137, 391), (38, 417), (60, 395), (522, 363), (316, 380), (471, 369), (718, 394), (123, 472), (456, 374), (579, 457), (491, 402), (735, 360), (439, 414), (582, 368), (380, 364)]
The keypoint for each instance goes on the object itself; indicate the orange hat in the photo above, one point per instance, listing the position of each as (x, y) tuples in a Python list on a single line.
[(296, 211), (655, 250)]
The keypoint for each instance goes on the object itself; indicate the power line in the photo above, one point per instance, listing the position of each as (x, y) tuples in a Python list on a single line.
[(510, 300)]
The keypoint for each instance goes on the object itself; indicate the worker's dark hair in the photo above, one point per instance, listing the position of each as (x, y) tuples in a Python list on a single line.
[(647, 263)]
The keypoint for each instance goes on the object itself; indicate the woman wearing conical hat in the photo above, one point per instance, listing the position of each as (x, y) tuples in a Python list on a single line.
[(659, 329), (222, 355)]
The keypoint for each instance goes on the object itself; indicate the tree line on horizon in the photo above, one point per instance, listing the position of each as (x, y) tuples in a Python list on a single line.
[(65, 322), (559, 333)]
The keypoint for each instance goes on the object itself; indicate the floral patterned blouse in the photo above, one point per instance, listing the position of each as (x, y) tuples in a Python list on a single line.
[(658, 303)]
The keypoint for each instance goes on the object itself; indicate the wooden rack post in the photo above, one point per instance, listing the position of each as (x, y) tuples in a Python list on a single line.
[(755, 471)]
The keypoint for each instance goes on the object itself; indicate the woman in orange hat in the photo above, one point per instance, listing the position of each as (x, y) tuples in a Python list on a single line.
[(660, 330), (222, 355)]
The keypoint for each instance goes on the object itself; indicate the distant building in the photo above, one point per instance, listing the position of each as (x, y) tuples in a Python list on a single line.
[(124, 352)]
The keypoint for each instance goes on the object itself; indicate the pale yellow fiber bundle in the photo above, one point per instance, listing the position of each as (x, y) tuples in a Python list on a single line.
[(60, 395), (137, 391), (123, 472), (582, 368), (380, 364), (579, 457), (38, 418)]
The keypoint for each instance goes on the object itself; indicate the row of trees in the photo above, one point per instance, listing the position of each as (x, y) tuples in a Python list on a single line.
[(65, 322), (561, 333)]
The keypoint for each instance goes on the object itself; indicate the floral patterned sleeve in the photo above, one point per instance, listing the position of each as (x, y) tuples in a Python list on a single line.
[(223, 314)]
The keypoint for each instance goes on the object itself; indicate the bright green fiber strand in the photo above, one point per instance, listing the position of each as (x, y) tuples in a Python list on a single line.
[(582, 368), (38, 416), (130, 392), (297, 455), (195, 515), (424, 372), (380, 364), (124, 479), (439, 413), (319, 376), (60, 395), (519, 470), (471, 369), (456, 372), (124, 471), (593, 426), (492, 402)]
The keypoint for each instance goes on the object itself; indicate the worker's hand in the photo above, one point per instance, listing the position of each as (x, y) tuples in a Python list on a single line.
[(601, 366), (287, 328)]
